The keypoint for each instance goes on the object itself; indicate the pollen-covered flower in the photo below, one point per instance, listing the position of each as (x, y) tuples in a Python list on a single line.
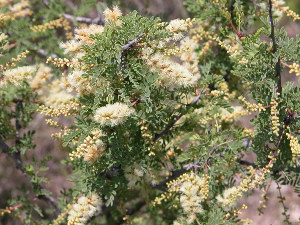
[(3, 37), (93, 152), (133, 175), (113, 114), (41, 76), (79, 83), (113, 15), (55, 94), (179, 25), (72, 46), (17, 75), (84, 209), (192, 196), (83, 34), (171, 74), (229, 197)]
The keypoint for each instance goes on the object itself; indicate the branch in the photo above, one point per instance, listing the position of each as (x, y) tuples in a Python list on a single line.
[(98, 20), (43, 52), (46, 3), (126, 47), (130, 43), (167, 129), (274, 49), (272, 35)]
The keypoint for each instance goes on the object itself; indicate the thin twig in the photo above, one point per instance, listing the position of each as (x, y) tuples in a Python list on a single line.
[(274, 49), (46, 3), (167, 129), (43, 52), (131, 43), (281, 200), (98, 20), (126, 47), (272, 35)]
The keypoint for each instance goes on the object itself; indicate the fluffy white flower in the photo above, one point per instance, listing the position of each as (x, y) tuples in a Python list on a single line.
[(72, 46), (177, 25), (113, 114), (85, 208), (228, 198), (84, 33), (113, 15), (17, 75), (78, 82)]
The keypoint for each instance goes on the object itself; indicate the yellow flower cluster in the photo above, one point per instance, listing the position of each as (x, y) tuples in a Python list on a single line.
[(84, 209), (291, 13), (205, 49), (17, 10), (294, 144), (59, 135), (3, 19), (252, 107), (274, 114), (112, 15), (13, 60), (55, 94), (51, 122), (193, 191), (58, 23), (59, 62), (173, 186), (20, 9), (233, 51), (229, 117), (279, 5), (295, 68), (91, 148), (74, 46), (248, 132), (231, 195), (199, 33), (65, 110), (146, 134), (75, 63)]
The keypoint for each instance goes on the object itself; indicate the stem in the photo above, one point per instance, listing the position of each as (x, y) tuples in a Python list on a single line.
[(168, 128), (236, 31), (274, 48)]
